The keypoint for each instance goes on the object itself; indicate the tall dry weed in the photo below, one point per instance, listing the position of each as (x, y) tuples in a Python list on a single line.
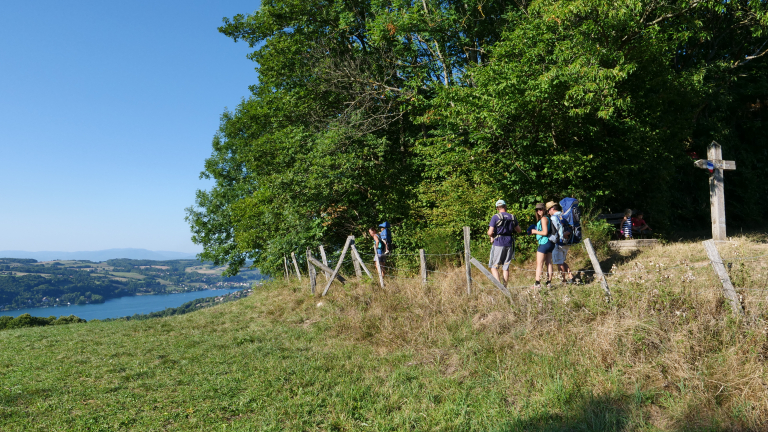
[(667, 333)]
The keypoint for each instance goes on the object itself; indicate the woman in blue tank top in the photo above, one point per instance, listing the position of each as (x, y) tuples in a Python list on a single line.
[(546, 245)]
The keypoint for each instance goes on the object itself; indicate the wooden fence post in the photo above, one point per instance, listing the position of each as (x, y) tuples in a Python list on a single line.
[(423, 266), (326, 269), (490, 277), (325, 261), (356, 255), (596, 265), (717, 265), (378, 265), (355, 263), (338, 265), (285, 263), (296, 265), (311, 272), (467, 258)]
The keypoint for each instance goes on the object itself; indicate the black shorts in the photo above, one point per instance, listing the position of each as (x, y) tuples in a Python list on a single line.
[(546, 248)]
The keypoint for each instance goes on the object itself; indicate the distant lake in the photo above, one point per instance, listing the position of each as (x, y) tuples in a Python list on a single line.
[(120, 307)]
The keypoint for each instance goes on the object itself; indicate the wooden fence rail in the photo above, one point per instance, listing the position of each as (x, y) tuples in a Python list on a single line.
[(359, 265)]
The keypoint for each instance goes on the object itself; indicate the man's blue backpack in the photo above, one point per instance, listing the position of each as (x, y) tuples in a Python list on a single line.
[(570, 218), (386, 234)]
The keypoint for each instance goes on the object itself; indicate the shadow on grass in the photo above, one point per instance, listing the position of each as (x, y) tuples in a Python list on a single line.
[(587, 274), (605, 415), (593, 414)]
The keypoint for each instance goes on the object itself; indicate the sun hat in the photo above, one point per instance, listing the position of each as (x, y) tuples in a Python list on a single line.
[(540, 206), (550, 205), (501, 203)]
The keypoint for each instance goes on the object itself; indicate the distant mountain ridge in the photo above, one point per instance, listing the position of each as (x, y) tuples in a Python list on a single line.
[(101, 255)]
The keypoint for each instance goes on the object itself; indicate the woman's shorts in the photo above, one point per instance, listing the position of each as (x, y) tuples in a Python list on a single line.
[(546, 248)]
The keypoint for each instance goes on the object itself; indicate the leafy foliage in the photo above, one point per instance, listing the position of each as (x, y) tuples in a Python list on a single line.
[(425, 113), (27, 320)]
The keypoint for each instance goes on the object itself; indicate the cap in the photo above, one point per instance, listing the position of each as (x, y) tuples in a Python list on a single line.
[(540, 206), (550, 205), (500, 203)]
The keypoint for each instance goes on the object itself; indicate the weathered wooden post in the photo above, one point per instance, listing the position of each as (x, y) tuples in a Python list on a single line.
[(467, 258), (716, 165), (423, 266), (311, 272), (338, 265), (285, 263), (490, 277), (296, 265), (326, 269), (325, 261), (596, 265), (717, 265), (378, 265), (356, 255), (355, 263)]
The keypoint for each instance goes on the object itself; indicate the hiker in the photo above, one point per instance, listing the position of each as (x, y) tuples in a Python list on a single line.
[(562, 243), (386, 235), (381, 248), (546, 245), (626, 225), (639, 225), (500, 230)]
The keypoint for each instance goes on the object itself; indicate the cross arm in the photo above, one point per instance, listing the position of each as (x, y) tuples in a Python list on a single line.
[(719, 164)]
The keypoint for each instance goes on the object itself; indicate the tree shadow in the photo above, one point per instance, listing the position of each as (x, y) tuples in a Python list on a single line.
[(603, 414), (591, 414), (587, 273)]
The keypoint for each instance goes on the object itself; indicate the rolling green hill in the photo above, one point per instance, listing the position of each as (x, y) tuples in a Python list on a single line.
[(664, 355)]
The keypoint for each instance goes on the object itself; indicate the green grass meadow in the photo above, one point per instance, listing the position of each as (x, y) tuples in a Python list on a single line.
[(228, 368), (662, 356)]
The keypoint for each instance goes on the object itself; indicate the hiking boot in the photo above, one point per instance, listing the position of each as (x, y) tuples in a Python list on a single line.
[(537, 285), (549, 285)]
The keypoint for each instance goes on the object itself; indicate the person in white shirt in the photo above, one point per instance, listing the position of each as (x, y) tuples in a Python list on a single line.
[(561, 251)]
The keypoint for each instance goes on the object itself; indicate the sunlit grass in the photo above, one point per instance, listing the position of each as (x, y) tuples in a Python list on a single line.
[(665, 354)]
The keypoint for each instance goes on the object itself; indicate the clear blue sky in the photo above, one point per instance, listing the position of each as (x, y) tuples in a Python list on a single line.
[(107, 111)]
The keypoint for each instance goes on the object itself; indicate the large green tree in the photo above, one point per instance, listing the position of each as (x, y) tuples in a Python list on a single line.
[(425, 112)]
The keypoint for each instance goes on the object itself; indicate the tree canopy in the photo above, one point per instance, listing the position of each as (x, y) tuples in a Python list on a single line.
[(424, 113)]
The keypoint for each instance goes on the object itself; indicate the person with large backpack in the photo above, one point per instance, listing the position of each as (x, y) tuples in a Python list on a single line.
[(545, 239), (500, 231), (563, 232), (385, 233)]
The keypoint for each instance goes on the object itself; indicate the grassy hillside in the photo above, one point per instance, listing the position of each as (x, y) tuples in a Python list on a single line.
[(664, 355)]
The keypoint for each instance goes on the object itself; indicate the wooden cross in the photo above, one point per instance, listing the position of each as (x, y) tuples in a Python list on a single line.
[(716, 165)]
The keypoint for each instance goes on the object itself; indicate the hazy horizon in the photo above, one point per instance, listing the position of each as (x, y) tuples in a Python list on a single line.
[(97, 255)]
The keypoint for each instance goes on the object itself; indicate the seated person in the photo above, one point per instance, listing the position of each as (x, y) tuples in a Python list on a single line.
[(625, 228), (639, 226)]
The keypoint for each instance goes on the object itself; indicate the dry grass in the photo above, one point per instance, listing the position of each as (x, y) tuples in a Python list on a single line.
[(666, 341)]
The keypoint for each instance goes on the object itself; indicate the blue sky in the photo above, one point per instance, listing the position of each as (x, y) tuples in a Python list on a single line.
[(107, 111)]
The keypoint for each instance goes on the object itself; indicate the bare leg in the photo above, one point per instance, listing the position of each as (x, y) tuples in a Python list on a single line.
[(540, 257), (495, 273), (550, 271), (506, 277)]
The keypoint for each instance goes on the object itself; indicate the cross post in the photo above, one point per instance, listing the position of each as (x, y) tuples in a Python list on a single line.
[(716, 165)]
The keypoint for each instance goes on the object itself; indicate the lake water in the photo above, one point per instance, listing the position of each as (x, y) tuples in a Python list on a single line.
[(123, 306)]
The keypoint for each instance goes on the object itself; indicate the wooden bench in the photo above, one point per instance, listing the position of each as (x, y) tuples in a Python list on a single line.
[(625, 245), (613, 218), (632, 245)]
